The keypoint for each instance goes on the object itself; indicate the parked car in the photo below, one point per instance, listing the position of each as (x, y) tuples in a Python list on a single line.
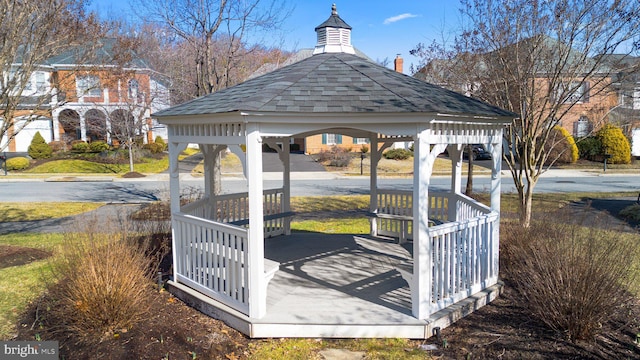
[(479, 152)]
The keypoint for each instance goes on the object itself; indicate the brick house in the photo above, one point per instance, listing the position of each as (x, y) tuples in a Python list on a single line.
[(87, 99)]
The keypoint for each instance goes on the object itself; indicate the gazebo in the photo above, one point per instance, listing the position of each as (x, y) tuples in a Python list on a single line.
[(444, 245)]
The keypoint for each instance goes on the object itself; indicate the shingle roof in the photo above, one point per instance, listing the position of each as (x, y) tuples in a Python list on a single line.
[(336, 83), (105, 53), (334, 21)]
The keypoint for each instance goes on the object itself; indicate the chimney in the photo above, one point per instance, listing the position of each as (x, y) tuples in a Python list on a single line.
[(397, 63)]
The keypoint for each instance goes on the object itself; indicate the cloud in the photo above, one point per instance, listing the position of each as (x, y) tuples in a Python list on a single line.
[(393, 19)]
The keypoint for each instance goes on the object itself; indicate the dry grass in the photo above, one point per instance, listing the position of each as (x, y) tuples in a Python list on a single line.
[(100, 277), (25, 211), (574, 277)]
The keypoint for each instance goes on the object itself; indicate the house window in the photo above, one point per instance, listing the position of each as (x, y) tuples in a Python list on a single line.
[(133, 89), (573, 92), (88, 86), (331, 139), (581, 127), (359, 141)]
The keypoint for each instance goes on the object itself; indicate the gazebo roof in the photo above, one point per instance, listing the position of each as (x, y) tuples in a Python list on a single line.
[(336, 83)]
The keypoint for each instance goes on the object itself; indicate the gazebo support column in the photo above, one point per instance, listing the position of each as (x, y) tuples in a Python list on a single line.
[(255, 267), (373, 183), (174, 191), (422, 248), (284, 154), (496, 182), (285, 157), (376, 155), (455, 154)]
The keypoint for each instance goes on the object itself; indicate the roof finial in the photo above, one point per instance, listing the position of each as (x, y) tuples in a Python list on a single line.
[(334, 10)]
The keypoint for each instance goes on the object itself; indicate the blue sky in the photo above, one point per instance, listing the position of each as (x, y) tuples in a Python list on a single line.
[(381, 29)]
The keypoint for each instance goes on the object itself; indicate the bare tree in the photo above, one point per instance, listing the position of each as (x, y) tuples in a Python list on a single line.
[(31, 32), (214, 34), (540, 59)]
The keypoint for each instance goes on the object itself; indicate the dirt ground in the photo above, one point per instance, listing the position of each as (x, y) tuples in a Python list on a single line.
[(501, 330)]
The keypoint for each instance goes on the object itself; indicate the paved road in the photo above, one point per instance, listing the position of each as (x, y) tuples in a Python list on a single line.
[(304, 183)]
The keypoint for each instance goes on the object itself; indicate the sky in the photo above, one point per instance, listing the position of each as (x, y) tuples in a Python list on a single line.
[(381, 29)]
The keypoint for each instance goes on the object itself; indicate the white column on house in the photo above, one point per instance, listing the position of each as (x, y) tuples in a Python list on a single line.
[(255, 255), (422, 247), (83, 126), (56, 125)]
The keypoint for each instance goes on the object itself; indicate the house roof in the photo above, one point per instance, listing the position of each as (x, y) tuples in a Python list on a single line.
[(336, 83), (106, 52)]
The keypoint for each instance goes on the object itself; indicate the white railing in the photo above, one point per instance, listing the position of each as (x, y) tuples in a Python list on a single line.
[(399, 204), (465, 259), (211, 257), (234, 208)]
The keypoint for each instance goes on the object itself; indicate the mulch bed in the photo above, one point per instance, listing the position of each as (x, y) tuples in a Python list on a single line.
[(17, 255)]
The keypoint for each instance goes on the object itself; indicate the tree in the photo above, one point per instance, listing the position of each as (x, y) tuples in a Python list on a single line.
[(215, 35), (32, 31), (39, 149), (539, 59)]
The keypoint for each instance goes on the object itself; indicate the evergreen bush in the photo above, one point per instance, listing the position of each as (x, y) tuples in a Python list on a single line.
[(160, 141), (614, 143), (17, 163), (561, 147), (397, 154), (589, 148), (98, 146), (80, 147), (39, 149)]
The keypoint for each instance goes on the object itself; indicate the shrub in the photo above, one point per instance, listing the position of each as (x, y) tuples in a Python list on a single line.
[(631, 212), (100, 281), (160, 142), (397, 154), (17, 163), (364, 149), (561, 147), (615, 144), (154, 148), (58, 146), (589, 147), (39, 149), (80, 147), (98, 146), (573, 278), (335, 156)]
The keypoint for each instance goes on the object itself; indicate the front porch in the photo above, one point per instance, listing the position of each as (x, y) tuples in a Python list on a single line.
[(339, 286)]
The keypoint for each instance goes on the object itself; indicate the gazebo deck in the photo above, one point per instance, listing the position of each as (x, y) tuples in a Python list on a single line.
[(336, 286)]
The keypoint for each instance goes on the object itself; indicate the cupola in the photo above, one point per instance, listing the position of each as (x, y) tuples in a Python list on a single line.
[(334, 35)]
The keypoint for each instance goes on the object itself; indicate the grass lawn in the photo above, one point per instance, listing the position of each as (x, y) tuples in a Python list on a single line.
[(15, 211), (75, 166)]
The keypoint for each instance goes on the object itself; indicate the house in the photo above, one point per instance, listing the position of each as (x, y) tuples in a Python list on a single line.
[(586, 88), (431, 257), (90, 97)]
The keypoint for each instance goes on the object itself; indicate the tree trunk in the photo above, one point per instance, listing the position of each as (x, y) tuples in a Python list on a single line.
[(130, 155), (469, 188)]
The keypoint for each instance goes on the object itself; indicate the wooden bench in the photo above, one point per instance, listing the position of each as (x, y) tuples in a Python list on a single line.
[(265, 218), (270, 269), (403, 219), (405, 269)]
